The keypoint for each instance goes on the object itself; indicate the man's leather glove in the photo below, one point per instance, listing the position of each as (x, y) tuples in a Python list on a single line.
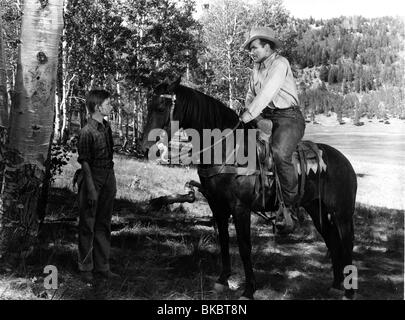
[(246, 117)]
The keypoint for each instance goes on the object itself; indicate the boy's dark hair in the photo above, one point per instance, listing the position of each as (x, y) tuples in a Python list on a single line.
[(270, 43), (95, 98)]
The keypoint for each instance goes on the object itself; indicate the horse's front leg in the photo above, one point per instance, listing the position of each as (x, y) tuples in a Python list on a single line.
[(241, 217), (223, 234), (221, 215)]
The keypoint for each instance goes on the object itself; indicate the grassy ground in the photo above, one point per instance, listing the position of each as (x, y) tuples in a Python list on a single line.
[(173, 253)]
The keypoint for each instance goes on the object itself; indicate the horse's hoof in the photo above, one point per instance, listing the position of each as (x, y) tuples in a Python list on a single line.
[(219, 287), (337, 287), (334, 290), (335, 293)]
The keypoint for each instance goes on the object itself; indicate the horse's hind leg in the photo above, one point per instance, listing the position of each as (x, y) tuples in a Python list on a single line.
[(330, 234), (346, 233), (223, 234)]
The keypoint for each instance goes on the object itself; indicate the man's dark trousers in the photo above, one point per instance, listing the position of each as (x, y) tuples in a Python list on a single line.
[(288, 130), (95, 223)]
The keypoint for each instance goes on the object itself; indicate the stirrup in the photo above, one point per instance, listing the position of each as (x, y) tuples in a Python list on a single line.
[(281, 223), (266, 138)]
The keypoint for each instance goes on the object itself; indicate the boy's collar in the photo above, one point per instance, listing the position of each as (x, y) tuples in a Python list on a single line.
[(97, 116), (95, 123)]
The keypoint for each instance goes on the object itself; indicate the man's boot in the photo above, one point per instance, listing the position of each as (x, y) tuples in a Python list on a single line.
[(285, 220)]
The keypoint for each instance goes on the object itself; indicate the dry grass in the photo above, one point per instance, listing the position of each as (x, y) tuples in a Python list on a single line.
[(138, 181), (173, 253)]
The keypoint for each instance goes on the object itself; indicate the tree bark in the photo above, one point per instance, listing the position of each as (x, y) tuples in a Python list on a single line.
[(3, 82), (136, 102), (3, 127), (58, 116), (60, 105), (127, 128), (31, 122), (65, 89), (120, 124)]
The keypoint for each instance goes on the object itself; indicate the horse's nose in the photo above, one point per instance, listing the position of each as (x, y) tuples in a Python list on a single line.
[(144, 145), (144, 149)]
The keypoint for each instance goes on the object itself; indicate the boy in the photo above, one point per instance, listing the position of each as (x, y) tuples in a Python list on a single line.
[(97, 189)]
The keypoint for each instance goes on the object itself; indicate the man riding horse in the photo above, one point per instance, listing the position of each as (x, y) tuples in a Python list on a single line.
[(272, 101)]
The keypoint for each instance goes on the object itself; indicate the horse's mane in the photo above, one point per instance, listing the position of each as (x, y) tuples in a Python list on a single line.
[(198, 110)]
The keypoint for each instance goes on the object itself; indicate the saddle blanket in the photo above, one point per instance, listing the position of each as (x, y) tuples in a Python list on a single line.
[(311, 152)]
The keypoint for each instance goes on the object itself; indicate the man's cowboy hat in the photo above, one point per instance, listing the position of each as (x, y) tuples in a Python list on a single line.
[(261, 33)]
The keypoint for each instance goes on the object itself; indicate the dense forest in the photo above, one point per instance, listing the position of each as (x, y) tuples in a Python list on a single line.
[(356, 61), (350, 65)]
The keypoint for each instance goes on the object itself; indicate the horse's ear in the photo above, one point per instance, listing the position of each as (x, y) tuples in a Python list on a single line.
[(174, 85)]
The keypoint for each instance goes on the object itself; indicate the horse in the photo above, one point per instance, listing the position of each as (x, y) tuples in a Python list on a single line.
[(328, 197)]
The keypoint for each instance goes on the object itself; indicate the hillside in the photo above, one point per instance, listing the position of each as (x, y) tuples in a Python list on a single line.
[(351, 65)]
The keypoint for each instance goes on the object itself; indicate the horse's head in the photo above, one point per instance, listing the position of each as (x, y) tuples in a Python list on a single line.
[(160, 113)]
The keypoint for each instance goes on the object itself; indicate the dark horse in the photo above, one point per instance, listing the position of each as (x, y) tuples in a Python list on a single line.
[(331, 193)]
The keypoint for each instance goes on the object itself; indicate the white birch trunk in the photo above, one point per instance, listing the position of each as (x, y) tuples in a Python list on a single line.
[(121, 134), (135, 119), (32, 117), (3, 130), (3, 83)]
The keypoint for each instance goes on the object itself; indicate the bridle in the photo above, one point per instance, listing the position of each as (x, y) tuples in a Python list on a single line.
[(173, 98)]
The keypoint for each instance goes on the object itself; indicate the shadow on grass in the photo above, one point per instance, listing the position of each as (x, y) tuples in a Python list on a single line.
[(171, 254)]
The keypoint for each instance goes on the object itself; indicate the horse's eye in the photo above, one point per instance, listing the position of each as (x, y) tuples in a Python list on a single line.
[(162, 105), (160, 108), (157, 105)]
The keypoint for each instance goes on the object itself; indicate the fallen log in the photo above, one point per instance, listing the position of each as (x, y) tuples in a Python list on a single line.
[(158, 203)]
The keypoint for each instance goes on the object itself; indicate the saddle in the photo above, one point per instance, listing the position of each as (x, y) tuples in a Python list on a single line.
[(306, 158)]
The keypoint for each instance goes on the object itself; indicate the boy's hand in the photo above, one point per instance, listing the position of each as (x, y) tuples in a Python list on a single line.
[(92, 198), (91, 190)]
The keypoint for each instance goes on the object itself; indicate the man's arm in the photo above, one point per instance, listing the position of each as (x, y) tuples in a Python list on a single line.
[(250, 93), (272, 85)]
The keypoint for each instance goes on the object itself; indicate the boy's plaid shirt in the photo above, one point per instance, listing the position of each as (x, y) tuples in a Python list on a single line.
[(96, 144)]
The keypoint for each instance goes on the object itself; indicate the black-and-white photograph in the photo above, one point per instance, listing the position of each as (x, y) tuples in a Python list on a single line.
[(214, 151)]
